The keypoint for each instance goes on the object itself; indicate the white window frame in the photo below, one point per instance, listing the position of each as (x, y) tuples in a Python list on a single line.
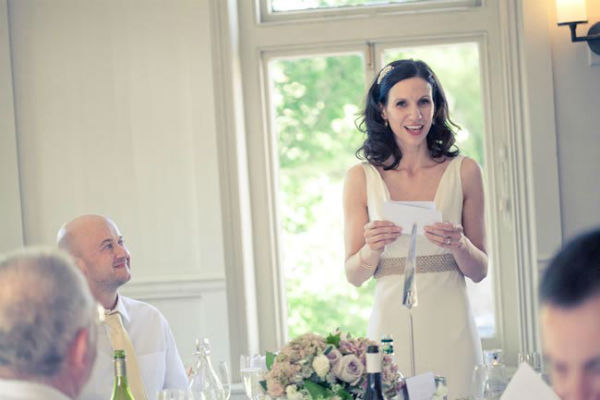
[(265, 15), (526, 141)]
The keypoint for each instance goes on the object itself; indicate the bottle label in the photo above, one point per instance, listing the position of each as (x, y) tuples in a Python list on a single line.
[(120, 367), (373, 363)]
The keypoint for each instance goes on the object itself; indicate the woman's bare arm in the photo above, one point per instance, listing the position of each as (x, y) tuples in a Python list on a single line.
[(364, 241)]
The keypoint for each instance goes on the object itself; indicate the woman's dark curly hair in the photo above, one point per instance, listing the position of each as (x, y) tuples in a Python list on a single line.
[(380, 143)]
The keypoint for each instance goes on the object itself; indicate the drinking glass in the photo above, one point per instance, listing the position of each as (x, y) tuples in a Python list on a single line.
[(490, 379), (252, 370), (172, 394), (478, 381), (225, 376)]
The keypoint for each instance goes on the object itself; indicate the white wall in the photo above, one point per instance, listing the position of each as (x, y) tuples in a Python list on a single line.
[(114, 113), (577, 100), (11, 225)]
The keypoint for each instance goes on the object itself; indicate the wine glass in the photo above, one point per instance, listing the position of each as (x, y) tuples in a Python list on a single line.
[(225, 377), (480, 373), (252, 369)]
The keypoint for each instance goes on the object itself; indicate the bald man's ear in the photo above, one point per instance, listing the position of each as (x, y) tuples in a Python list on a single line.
[(81, 265)]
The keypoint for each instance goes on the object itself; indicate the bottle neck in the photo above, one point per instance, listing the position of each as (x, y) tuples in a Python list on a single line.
[(120, 370), (121, 384), (203, 366), (373, 363), (202, 361), (121, 381)]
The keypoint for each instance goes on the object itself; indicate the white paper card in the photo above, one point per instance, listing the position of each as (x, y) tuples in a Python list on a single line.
[(407, 213), (421, 387), (430, 205), (526, 384)]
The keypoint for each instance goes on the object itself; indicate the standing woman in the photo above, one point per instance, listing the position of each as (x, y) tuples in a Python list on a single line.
[(410, 157)]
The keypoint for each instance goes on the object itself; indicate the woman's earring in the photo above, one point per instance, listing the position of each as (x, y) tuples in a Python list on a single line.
[(386, 123)]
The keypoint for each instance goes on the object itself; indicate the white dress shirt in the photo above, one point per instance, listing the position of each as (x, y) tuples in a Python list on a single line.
[(155, 350), (26, 390)]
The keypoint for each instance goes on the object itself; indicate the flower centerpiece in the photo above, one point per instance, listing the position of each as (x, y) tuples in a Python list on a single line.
[(314, 367)]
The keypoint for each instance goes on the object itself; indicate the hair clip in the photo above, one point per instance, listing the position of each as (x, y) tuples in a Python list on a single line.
[(384, 72)]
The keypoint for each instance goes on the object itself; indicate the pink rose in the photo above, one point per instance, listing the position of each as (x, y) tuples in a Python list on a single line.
[(349, 369), (274, 388), (334, 356)]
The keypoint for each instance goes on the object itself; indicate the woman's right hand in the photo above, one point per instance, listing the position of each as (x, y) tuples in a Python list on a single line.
[(378, 234)]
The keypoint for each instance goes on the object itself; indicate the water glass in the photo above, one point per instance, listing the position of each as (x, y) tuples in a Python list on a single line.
[(172, 394), (478, 381), (252, 370), (225, 376), (490, 379)]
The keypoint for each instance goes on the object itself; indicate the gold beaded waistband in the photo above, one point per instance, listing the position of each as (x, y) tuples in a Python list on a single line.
[(436, 263)]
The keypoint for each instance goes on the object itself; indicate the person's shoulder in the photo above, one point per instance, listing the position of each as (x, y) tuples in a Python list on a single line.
[(469, 167), (355, 180), (141, 309), (357, 167), (357, 172), (471, 175)]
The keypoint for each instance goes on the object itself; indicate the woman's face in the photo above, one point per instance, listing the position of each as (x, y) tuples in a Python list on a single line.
[(409, 111)]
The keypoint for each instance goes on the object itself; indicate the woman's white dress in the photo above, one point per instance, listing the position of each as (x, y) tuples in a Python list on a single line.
[(445, 335)]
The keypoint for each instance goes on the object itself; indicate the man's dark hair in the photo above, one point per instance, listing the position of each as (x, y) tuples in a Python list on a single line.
[(573, 275)]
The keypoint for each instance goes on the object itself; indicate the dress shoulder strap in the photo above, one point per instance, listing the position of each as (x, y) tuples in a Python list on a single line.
[(449, 197), (377, 192)]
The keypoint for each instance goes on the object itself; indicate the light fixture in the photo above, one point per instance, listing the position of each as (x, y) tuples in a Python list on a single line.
[(572, 12)]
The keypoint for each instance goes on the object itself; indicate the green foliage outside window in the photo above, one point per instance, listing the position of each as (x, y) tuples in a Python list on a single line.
[(317, 101)]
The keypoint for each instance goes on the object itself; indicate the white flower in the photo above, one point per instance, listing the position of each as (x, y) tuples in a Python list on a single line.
[(321, 365), (292, 393)]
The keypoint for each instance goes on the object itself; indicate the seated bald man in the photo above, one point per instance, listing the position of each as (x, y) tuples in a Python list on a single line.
[(99, 251), (570, 316), (48, 321)]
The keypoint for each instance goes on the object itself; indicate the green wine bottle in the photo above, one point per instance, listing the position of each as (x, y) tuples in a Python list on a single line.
[(121, 389)]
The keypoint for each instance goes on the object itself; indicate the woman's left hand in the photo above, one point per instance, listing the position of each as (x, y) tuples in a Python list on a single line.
[(445, 234)]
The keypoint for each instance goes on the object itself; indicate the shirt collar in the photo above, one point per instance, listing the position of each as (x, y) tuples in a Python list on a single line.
[(122, 309)]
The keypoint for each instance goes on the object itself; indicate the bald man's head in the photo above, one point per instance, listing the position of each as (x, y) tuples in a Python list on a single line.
[(99, 251), (70, 233)]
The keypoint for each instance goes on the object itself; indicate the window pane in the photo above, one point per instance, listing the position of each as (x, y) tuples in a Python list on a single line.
[(457, 68), (296, 5), (314, 104)]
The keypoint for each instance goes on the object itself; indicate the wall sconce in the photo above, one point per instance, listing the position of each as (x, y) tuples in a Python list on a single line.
[(572, 12)]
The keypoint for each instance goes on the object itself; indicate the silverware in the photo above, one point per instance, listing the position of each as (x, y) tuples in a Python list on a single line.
[(409, 298)]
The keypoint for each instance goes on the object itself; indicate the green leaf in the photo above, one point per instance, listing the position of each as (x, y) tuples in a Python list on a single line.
[(270, 358), (316, 391), (334, 339), (343, 393)]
